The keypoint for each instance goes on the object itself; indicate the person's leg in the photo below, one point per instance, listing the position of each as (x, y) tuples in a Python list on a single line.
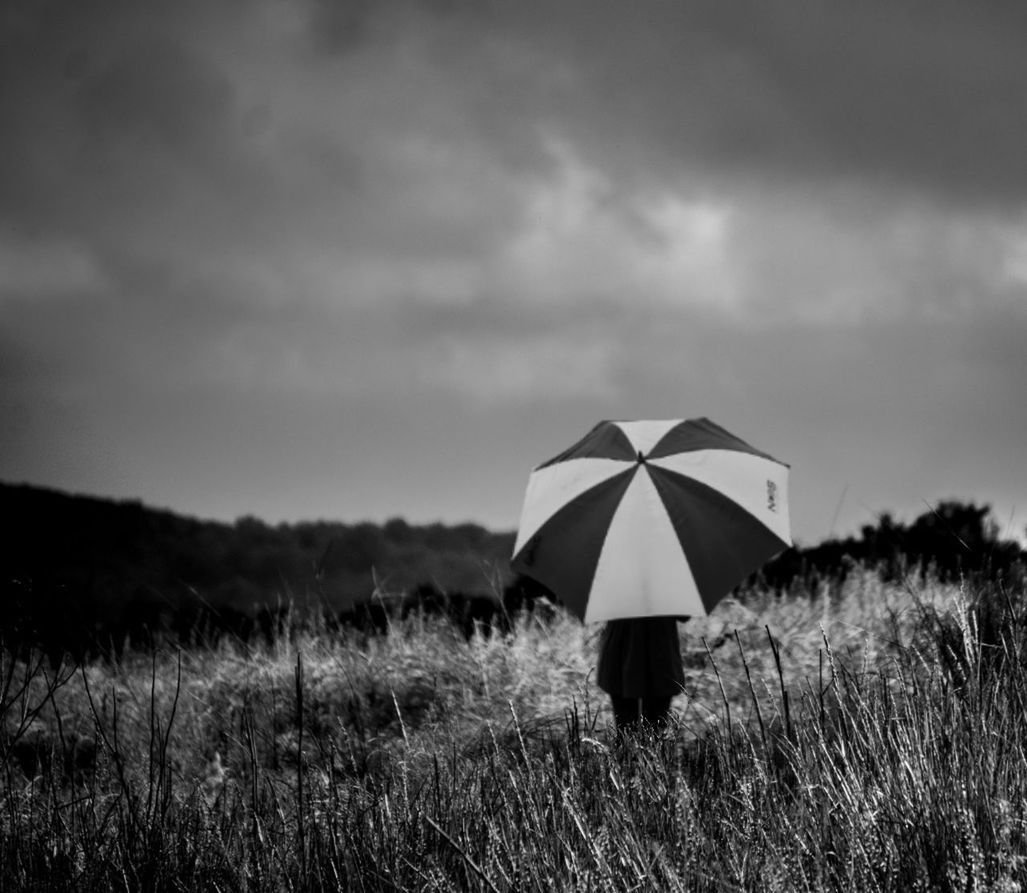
[(656, 711), (625, 712)]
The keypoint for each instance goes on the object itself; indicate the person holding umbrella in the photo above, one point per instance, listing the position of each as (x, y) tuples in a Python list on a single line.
[(643, 522), (640, 669)]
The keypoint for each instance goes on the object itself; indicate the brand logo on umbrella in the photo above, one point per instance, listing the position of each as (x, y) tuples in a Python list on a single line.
[(771, 496)]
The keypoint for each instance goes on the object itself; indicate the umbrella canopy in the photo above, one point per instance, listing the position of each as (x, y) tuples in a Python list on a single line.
[(651, 518)]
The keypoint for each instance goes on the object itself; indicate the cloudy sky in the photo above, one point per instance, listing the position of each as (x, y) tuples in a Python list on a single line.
[(349, 259)]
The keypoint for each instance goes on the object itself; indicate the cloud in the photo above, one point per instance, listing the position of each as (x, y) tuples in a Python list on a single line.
[(557, 368), (581, 239), (796, 216), (47, 269), (444, 151), (847, 262), (920, 101)]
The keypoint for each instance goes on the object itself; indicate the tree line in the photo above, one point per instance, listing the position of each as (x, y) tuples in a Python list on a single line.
[(79, 570), (948, 541), (84, 575)]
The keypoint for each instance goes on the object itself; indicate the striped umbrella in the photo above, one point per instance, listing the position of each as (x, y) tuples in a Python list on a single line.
[(651, 518)]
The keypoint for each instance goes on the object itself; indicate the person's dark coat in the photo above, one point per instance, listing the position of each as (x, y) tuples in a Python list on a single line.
[(641, 658)]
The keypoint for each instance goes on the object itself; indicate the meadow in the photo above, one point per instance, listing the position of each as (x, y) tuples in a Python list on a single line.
[(856, 735)]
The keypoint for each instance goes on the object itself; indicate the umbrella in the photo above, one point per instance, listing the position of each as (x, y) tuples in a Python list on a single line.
[(651, 518)]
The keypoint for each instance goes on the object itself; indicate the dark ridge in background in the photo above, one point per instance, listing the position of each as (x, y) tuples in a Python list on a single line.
[(84, 575)]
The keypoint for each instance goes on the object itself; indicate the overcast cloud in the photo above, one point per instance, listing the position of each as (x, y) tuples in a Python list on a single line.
[(354, 259)]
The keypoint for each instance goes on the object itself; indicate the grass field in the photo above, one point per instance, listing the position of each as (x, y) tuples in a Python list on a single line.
[(862, 736)]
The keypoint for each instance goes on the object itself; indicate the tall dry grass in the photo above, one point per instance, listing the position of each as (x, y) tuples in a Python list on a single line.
[(864, 736)]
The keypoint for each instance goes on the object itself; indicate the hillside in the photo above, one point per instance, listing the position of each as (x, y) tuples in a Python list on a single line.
[(81, 573), (76, 563)]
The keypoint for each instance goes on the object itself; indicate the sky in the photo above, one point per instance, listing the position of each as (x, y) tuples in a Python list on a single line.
[(352, 260)]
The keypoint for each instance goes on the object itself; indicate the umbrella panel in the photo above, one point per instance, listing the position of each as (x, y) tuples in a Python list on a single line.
[(749, 480), (562, 555), (551, 487), (642, 570), (701, 434), (604, 441), (723, 544)]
